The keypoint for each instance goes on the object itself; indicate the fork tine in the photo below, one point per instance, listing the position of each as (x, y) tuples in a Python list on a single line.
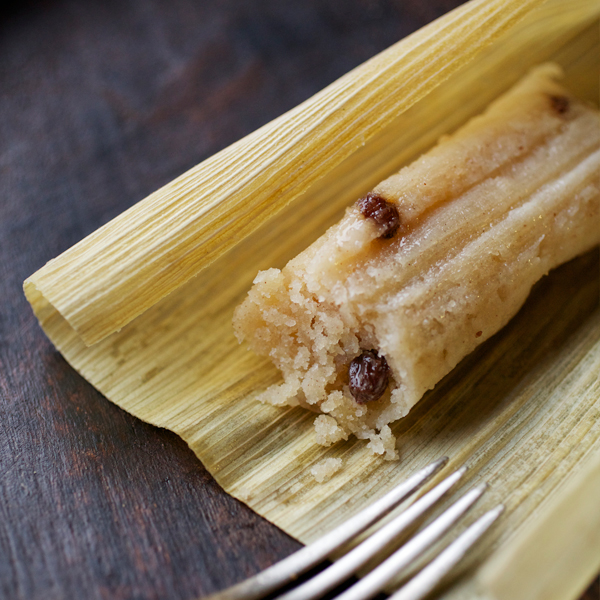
[(374, 582), (308, 557), (359, 556), (426, 580)]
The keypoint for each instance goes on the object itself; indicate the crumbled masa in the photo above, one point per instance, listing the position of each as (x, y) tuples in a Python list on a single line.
[(326, 469)]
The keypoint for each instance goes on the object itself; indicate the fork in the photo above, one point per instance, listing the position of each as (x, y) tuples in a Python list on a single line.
[(419, 586)]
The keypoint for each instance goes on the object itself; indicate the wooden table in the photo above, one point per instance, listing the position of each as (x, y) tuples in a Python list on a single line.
[(100, 104)]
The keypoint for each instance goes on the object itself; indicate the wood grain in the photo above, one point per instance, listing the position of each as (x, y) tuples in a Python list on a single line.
[(101, 103)]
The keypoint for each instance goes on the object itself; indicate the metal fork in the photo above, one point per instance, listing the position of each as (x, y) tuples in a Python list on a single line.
[(289, 569)]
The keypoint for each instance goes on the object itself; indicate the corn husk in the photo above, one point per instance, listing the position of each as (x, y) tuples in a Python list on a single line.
[(142, 308)]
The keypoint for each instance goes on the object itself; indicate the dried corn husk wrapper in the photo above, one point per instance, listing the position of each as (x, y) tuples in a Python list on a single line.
[(142, 308)]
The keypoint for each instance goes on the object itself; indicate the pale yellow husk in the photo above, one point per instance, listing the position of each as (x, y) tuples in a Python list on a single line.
[(523, 411)]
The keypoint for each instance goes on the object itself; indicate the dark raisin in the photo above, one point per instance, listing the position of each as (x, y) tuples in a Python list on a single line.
[(560, 104), (369, 374), (385, 214)]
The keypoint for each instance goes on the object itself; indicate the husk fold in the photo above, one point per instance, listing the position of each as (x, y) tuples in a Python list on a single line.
[(523, 410)]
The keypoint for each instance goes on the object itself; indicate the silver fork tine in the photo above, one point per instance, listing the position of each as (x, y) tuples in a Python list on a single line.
[(359, 556), (308, 557), (374, 582), (423, 583)]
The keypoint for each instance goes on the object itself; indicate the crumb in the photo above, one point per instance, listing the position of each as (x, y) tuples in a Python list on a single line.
[(384, 443), (328, 431), (325, 469)]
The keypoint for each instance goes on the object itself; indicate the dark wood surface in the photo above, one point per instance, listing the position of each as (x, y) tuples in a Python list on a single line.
[(102, 102)]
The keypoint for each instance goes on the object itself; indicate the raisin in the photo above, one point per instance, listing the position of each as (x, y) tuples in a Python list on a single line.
[(375, 207), (369, 374), (560, 104)]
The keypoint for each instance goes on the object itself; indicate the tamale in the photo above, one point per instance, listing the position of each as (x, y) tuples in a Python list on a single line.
[(431, 263)]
